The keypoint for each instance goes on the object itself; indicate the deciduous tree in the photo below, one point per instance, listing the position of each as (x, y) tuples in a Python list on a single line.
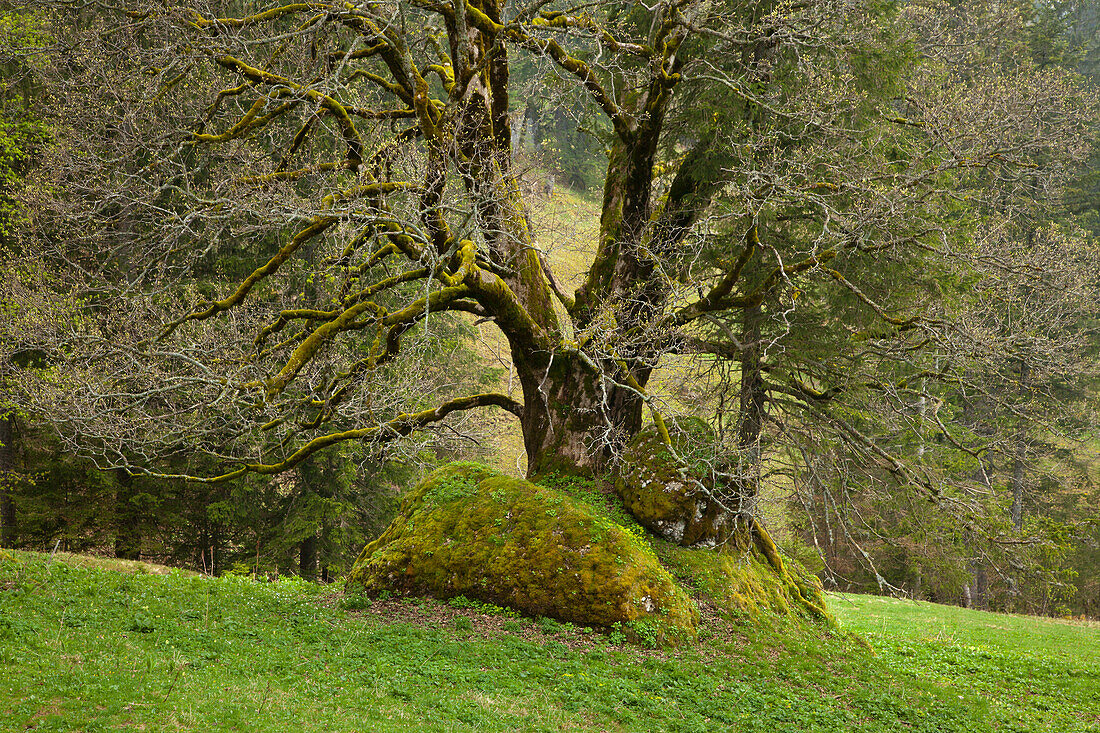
[(794, 195)]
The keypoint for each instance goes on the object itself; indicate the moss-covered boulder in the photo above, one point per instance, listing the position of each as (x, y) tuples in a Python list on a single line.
[(752, 583), (673, 495), (467, 530)]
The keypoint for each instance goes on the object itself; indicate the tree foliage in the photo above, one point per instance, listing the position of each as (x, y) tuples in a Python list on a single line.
[(817, 204)]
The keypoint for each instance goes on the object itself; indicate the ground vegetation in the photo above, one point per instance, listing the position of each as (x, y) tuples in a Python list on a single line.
[(83, 645)]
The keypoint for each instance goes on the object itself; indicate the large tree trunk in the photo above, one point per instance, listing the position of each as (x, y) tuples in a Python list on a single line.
[(573, 420), (7, 481)]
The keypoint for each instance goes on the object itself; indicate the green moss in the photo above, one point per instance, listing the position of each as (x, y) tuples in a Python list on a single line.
[(456, 481), (746, 584), (570, 551), (671, 494), (467, 530), (600, 496)]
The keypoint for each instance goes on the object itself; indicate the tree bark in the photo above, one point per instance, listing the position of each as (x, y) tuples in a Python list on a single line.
[(981, 587), (1019, 463), (752, 401), (1018, 480), (307, 557), (7, 481), (217, 557), (127, 518), (325, 553), (574, 419)]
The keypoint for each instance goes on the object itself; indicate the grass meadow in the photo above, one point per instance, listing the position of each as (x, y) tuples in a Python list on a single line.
[(87, 645)]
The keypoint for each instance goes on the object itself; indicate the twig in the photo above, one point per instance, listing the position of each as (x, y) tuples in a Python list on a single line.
[(264, 701), (172, 684)]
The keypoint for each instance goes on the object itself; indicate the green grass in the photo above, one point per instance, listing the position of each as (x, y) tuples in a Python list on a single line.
[(1037, 674), (88, 648)]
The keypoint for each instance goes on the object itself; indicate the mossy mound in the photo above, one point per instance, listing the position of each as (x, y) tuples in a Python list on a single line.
[(468, 530), (671, 494), (748, 585)]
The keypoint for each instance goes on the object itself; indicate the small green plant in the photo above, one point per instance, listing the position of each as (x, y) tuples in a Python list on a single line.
[(14, 627), (463, 624), (548, 625), (142, 623), (241, 569), (459, 484), (646, 631), (355, 601), (490, 609), (461, 602)]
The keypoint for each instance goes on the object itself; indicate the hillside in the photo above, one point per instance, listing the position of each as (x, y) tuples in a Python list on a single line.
[(1037, 673), (86, 648)]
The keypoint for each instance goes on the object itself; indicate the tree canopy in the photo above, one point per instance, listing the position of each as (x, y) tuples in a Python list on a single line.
[(261, 224)]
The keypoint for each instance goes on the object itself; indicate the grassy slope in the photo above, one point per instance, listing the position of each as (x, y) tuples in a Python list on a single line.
[(84, 648), (1036, 673)]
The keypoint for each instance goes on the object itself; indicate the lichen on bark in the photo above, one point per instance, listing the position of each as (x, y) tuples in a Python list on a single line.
[(671, 489)]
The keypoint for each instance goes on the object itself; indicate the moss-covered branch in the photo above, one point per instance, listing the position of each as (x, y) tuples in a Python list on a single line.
[(400, 426), (356, 301), (622, 121), (347, 127), (315, 228), (719, 296), (267, 15), (349, 320), (903, 322)]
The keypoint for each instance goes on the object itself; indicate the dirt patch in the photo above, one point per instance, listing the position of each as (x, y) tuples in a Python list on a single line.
[(44, 712), (428, 612)]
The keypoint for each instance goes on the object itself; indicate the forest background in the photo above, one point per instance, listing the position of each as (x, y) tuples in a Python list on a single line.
[(975, 373)]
